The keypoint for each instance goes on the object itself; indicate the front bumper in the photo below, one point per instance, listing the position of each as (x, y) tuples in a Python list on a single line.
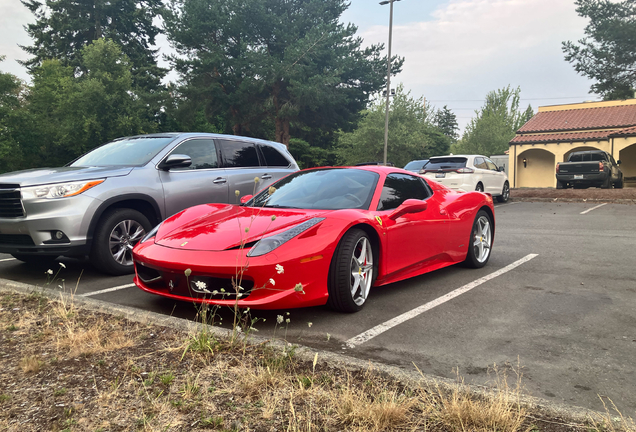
[(34, 233), (213, 277)]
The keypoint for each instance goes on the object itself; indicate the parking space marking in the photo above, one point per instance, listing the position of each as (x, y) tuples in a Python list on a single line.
[(381, 328), (107, 290), (593, 208), (7, 259), (504, 205)]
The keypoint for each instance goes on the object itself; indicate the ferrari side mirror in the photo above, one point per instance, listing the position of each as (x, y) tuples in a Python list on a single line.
[(246, 198), (409, 206)]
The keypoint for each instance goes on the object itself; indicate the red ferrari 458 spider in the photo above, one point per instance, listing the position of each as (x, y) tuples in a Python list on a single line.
[(324, 235)]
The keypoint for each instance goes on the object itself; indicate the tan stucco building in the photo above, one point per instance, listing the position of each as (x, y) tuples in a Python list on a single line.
[(556, 131)]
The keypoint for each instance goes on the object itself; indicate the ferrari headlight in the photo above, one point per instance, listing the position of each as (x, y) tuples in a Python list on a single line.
[(268, 244), (151, 234), (59, 190)]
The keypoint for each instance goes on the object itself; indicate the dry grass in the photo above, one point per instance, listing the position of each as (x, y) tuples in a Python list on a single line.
[(613, 420), (110, 374)]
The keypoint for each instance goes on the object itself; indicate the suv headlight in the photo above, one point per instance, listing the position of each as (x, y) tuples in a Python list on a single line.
[(59, 190), (268, 244)]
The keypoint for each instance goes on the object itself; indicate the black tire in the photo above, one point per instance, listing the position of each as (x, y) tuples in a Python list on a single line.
[(341, 282), (619, 184), (505, 193), (36, 260), (479, 187), (472, 259), (126, 227), (560, 185), (607, 184)]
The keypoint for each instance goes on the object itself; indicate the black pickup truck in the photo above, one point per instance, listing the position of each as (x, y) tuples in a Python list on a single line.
[(589, 168)]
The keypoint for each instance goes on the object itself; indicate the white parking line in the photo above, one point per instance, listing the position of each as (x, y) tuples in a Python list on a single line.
[(504, 205), (7, 259), (381, 328), (593, 208), (107, 290)]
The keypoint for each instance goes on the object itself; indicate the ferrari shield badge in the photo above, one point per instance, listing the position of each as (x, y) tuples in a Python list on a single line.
[(379, 220)]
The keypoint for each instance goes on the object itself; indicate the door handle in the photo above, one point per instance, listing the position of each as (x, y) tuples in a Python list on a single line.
[(266, 176), (219, 180)]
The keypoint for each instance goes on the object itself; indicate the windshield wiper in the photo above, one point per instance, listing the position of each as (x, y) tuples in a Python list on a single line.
[(279, 206)]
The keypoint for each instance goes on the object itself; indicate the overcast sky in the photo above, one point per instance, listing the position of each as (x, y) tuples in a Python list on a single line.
[(456, 51)]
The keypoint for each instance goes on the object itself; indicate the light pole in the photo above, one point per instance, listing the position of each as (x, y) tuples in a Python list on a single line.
[(388, 78)]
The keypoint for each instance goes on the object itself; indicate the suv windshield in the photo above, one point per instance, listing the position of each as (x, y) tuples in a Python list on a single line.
[(415, 165), (125, 152), (325, 188), (587, 157), (445, 163)]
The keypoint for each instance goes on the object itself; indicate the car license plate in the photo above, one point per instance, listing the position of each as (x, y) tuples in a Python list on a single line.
[(578, 176), (440, 175)]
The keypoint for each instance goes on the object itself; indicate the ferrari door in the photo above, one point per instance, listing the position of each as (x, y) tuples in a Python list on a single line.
[(413, 239)]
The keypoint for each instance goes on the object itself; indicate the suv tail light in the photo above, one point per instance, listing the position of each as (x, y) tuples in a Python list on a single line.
[(465, 170), (557, 168), (600, 166)]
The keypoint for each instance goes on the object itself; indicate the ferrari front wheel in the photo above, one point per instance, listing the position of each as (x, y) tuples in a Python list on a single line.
[(480, 244), (351, 273)]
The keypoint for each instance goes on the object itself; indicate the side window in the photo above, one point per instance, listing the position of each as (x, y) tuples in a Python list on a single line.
[(273, 158), (238, 154), (400, 187), (480, 163), (491, 165), (201, 151)]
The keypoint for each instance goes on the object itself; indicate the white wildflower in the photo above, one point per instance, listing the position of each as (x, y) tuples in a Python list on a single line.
[(188, 272), (309, 324), (279, 319), (279, 269), (201, 285), (287, 320), (49, 271), (62, 265), (298, 287), (272, 281)]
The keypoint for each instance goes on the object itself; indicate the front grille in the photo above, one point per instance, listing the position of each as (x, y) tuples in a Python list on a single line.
[(10, 201), (16, 240), (195, 286)]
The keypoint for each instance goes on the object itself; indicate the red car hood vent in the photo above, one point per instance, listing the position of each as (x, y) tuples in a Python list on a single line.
[(223, 229)]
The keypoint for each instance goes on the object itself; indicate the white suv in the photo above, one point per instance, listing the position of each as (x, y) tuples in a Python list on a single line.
[(468, 173)]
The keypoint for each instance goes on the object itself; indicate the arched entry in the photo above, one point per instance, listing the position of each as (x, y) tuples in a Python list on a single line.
[(627, 156), (567, 155), (535, 168)]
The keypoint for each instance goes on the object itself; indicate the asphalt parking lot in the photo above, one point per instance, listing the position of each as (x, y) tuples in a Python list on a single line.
[(558, 298)]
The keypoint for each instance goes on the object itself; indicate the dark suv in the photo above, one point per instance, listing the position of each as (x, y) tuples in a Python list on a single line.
[(104, 202)]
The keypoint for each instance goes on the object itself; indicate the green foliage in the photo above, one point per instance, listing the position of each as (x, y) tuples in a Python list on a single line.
[(66, 116), (11, 102), (63, 28), (608, 52), (411, 134), (494, 125), (294, 66), (446, 121)]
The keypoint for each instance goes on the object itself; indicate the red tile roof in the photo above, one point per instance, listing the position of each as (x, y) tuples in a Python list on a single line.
[(561, 137), (626, 131), (581, 119)]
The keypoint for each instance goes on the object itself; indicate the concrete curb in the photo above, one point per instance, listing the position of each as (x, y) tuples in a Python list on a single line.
[(576, 416), (579, 200)]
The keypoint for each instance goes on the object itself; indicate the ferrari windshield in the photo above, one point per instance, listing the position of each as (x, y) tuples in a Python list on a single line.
[(124, 152), (323, 188)]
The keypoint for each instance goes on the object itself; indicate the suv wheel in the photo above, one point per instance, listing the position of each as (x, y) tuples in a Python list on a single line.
[(119, 230), (505, 193)]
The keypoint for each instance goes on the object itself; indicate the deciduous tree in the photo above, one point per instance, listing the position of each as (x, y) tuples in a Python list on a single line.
[(494, 124), (412, 135)]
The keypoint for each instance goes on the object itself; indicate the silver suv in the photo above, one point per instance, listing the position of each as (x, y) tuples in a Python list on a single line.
[(104, 202)]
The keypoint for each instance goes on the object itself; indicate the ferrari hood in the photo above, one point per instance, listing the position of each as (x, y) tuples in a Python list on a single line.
[(225, 227)]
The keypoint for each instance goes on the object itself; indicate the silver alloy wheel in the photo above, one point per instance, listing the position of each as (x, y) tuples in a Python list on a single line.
[(124, 236), (361, 271), (483, 239), (506, 192)]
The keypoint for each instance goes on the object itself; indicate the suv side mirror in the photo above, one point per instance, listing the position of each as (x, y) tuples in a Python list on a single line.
[(175, 161), (618, 162), (409, 206), (502, 169)]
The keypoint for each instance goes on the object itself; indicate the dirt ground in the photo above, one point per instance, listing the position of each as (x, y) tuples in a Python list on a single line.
[(65, 369), (594, 194)]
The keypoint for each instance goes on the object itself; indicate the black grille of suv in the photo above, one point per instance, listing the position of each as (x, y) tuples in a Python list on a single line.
[(16, 239), (10, 201)]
